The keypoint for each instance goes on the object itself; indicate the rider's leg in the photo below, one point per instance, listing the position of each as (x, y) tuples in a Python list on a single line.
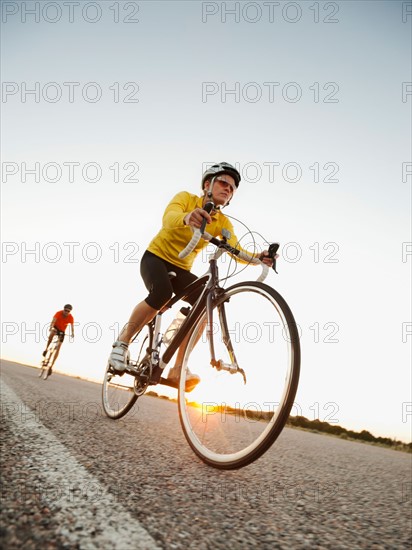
[(58, 346), (141, 315), (52, 333), (191, 379), (155, 275)]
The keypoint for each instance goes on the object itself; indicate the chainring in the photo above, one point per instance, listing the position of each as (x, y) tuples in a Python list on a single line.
[(142, 377)]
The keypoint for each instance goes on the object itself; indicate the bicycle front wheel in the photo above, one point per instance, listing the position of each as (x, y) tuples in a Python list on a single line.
[(118, 389), (242, 403), (46, 373)]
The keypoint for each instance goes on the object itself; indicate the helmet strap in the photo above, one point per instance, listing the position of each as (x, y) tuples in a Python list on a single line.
[(210, 190), (209, 193)]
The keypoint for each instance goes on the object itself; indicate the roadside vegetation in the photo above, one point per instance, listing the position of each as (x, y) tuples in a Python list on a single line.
[(343, 433), (317, 426)]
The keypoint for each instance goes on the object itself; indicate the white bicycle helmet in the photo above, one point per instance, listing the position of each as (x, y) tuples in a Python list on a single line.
[(221, 168)]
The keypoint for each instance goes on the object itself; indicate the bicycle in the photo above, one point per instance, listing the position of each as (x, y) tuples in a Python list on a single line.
[(48, 360), (244, 398)]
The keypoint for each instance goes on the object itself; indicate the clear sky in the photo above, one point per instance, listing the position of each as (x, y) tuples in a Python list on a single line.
[(110, 108)]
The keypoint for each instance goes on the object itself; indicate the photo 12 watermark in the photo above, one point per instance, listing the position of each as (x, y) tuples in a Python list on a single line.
[(276, 492), (70, 252), (406, 252), (89, 332), (69, 171), (406, 91), (69, 92), (54, 495), (290, 252), (254, 332), (69, 12), (69, 411), (406, 171), (406, 332), (276, 171), (406, 412), (270, 12), (406, 12), (253, 411), (270, 92)]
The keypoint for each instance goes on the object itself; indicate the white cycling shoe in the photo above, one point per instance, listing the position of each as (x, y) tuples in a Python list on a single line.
[(119, 357), (192, 380)]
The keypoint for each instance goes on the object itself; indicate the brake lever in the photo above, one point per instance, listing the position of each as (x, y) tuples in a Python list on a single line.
[(209, 206), (273, 248)]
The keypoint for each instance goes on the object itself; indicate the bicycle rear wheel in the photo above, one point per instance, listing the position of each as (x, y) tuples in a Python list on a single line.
[(118, 392), (232, 418)]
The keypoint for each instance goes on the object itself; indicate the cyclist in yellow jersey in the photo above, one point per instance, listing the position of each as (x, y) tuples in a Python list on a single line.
[(184, 212)]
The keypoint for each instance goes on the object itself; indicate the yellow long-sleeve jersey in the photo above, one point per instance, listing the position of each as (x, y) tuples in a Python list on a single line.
[(174, 235)]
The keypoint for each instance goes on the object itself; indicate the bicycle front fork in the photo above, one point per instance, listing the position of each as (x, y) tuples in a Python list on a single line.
[(219, 364)]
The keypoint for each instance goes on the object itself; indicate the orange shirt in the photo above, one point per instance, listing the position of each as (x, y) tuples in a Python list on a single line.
[(61, 321)]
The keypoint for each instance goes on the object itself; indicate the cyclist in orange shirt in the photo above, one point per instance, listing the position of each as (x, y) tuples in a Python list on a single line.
[(58, 326)]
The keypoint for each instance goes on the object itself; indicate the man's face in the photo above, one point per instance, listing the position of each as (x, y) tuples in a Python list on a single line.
[(66, 312), (223, 189)]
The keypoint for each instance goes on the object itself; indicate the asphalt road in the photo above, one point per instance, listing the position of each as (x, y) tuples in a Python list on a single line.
[(73, 478)]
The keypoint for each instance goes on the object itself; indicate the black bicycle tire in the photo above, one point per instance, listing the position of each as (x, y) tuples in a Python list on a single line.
[(283, 416), (122, 412)]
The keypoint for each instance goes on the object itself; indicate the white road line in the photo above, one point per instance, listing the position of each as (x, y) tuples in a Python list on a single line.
[(95, 523)]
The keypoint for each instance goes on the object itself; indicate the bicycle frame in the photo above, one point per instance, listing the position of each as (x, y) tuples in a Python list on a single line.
[(210, 282), (211, 290)]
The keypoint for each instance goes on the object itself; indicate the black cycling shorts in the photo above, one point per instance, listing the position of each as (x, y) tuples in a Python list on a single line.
[(60, 334), (155, 274)]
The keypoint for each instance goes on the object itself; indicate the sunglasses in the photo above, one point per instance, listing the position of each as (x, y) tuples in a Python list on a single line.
[(68, 310), (225, 183)]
